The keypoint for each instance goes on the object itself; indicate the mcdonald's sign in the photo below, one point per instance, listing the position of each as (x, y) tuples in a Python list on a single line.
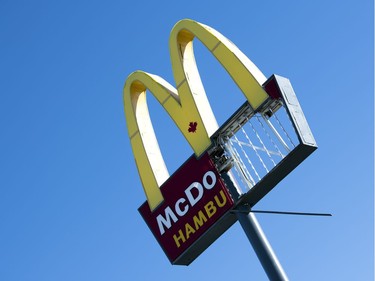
[(189, 210), (194, 211)]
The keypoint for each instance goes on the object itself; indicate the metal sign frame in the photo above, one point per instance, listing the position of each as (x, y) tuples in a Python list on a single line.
[(280, 90)]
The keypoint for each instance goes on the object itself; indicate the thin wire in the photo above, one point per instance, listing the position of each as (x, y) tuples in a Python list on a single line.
[(291, 213), (260, 140), (240, 165), (269, 136), (247, 157), (252, 146), (259, 148), (269, 123), (282, 127)]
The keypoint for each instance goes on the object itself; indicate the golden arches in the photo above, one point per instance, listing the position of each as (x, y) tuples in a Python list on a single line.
[(186, 104)]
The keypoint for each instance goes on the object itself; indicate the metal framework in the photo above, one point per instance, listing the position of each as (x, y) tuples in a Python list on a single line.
[(260, 148), (254, 151)]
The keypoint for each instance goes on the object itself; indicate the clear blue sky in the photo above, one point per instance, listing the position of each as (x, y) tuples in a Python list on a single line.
[(69, 188)]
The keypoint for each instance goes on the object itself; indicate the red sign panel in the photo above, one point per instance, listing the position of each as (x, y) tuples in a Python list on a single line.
[(195, 199)]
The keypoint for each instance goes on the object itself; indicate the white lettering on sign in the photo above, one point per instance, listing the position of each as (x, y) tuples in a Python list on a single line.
[(189, 193), (194, 193)]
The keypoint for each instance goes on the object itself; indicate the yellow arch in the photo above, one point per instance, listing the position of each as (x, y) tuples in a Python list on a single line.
[(181, 108), (188, 103), (243, 71)]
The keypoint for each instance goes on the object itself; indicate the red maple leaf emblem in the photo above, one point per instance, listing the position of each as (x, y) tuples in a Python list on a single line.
[(192, 127)]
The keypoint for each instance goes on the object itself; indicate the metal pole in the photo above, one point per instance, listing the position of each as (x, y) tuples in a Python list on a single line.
[(254, 233), (262, 247)]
